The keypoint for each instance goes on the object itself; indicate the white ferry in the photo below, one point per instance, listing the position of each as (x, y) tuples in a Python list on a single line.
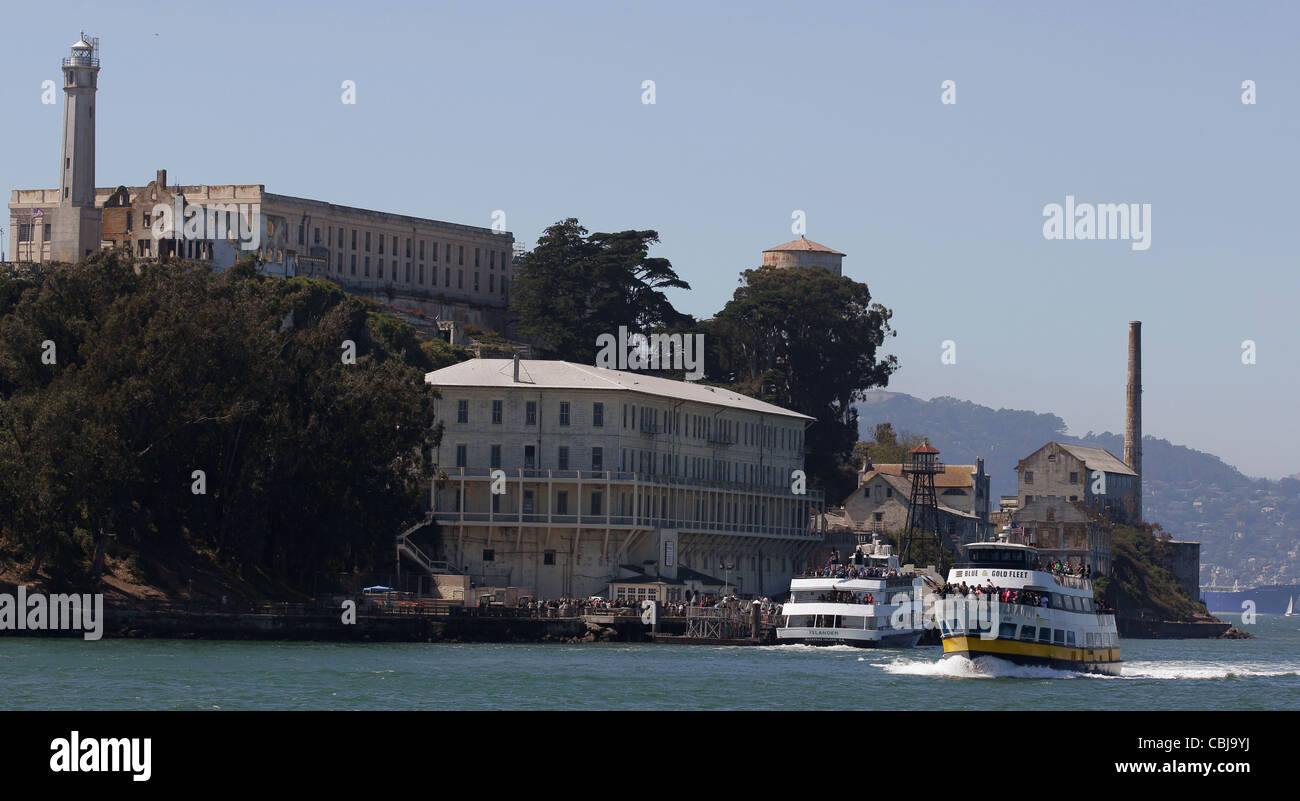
[(1056, 622), (866, 603)]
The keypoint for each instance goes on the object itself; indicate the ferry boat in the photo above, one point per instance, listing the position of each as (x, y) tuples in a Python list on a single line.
[(866, 603), (1063, 628)]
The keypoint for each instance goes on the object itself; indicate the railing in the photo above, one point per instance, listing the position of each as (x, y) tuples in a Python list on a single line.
[(779, 490)]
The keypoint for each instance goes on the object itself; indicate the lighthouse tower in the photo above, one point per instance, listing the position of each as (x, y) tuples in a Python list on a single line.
[(75, 227)]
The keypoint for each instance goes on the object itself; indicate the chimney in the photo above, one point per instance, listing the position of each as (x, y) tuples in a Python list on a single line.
[(1133, 409), (162, 179), (516, 368)]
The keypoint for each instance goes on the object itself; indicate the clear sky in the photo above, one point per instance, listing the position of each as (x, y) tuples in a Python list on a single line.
[(763, 109)]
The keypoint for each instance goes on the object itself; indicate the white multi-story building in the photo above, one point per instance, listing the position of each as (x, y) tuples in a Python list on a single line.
[(611, 474)]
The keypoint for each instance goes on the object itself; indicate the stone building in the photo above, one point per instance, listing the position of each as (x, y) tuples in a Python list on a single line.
[(1183, 559), (614, 477), (1065, 530), (880, 502), (804, 252), (446, 270), (1092, 476)]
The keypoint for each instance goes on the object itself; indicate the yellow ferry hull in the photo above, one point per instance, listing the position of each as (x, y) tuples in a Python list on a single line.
[(1060, 657)]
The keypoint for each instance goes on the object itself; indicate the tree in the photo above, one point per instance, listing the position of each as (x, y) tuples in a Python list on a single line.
[(807, 340), (170, 379), (571, 288)]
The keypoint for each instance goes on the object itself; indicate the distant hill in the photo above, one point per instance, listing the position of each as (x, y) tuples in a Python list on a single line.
[(1249, 529)]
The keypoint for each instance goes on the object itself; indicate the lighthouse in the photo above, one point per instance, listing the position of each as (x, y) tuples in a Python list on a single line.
[(75, 223)]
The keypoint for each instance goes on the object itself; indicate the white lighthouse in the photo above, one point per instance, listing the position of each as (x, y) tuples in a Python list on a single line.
[(75, 227)]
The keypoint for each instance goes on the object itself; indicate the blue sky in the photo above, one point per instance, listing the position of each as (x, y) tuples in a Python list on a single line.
[(762, 109)]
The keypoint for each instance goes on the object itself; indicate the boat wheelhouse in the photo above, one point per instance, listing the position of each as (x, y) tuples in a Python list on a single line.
[(1003, 602), (867, 603)]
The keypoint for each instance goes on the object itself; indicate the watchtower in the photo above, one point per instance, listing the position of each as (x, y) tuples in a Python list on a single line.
[(922, 506)]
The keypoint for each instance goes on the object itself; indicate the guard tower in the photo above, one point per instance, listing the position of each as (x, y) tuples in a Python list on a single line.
[(922, 507), (75, 223)]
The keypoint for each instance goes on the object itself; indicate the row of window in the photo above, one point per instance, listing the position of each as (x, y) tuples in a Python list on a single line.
[(493, 287), (495, 258), (709, 428), (647, 419), (530, 457)]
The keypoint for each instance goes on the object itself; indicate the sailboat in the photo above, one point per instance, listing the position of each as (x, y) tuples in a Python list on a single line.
[(1290, 606)]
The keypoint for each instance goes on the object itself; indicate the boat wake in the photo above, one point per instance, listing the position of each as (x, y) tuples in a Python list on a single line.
[(1193, 670), (984, 667), (814, 649)]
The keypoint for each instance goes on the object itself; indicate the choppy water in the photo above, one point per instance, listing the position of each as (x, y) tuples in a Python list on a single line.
[(1263, 673)]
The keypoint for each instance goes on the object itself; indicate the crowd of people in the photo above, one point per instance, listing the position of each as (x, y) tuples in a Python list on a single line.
[(850, 572), (576, 607), (1002, 594), (1059, 568), (843, 597)]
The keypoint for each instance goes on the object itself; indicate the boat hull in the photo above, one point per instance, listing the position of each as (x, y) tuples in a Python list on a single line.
[(1105, 661), (856, 638)]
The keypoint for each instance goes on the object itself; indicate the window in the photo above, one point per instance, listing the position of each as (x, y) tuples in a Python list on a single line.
[(460, 279), (422, 249), (1058, 636), (367, 266), (597, 458), (496, 457), (354, 239), (548, 557), (1074, 478), (595, 503), (1029, 499), (1069, 638), (598, 415), (460, 255), (496, 503), (564, 413), (530, 456), (476, 262), (496, 412), (489, 555), (462, 411), (562, 502), (563, 457), (381, 246), (462, 457), (528, 502), (530, 413), (435, 251), (1029, 476)]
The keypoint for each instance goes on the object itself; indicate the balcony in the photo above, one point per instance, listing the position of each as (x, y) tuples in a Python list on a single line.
[(670, 510)]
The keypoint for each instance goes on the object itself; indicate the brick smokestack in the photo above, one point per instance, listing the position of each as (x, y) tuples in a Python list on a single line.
[(1133, 409)]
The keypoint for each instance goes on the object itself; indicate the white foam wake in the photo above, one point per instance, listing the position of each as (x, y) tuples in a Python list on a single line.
[(1195, 670), (802, 647), (983, 667)]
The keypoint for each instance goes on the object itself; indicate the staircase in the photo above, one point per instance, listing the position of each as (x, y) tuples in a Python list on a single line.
[(413, 553)]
